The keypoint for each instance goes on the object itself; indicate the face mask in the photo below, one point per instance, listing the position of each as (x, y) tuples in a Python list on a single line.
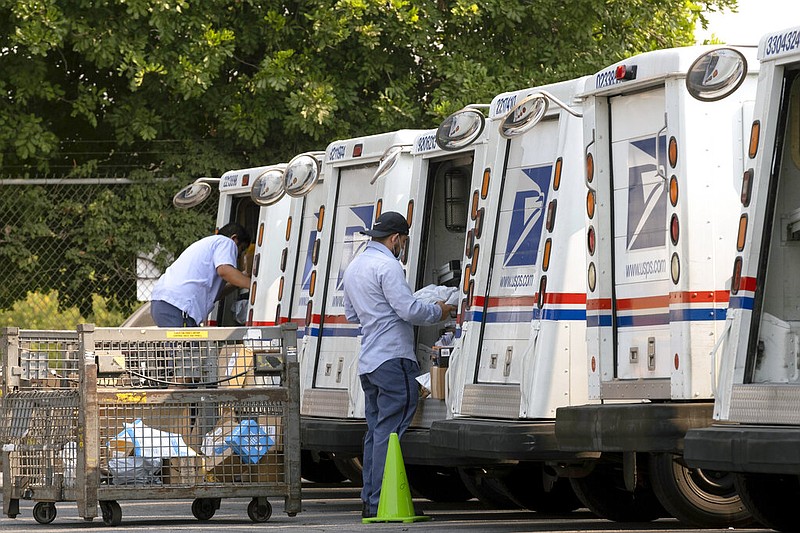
[(397, 249)]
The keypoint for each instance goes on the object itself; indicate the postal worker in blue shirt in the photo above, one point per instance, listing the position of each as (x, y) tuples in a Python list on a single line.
[(185, 294), (377, 296)]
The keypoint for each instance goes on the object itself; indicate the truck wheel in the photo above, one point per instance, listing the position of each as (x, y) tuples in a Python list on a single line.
[(699, 498), (771, 498), (437, 483), (484, 486), (350, 467), (526, 484), (319, 468), (603, 492)]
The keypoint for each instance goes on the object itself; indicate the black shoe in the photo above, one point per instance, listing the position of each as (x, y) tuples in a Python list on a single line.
[(365, 511)]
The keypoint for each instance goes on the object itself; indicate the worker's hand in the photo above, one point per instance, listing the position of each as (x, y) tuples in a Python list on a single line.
[(448, 311)]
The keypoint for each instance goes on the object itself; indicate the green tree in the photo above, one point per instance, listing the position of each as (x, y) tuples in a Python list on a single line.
[(181, 87), (163, 91)]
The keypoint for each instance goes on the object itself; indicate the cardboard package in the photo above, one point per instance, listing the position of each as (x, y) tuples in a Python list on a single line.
[(229, 468), (235, 366), (274, 425), (119, 447), (438, 382), (183, 470)]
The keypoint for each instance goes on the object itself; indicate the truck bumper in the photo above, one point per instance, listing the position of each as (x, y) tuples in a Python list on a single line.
[(735, 448), (499, 440), (641, 427)]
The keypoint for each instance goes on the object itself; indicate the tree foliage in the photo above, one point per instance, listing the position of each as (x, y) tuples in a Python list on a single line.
[(187, 87), (163, 91)]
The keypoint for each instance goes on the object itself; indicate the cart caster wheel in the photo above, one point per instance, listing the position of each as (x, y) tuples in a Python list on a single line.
[(259, 510), (204, 508), (44, 512), (112, 513)]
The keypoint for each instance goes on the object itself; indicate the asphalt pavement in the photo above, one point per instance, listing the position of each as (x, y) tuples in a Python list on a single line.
[(333, 508)]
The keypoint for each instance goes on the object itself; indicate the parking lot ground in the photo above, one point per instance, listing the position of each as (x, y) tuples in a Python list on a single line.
[(335, 508)]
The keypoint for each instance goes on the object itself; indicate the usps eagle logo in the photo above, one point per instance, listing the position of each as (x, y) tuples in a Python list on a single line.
[(527, 217), (354, 241), (647, 195)]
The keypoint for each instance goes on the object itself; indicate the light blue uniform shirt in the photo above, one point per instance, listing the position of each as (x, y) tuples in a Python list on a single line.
[(191, 283), (377, 295)]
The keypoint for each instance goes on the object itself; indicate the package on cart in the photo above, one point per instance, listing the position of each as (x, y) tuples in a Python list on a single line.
[(229, 468), (150, 442), (183, 470)]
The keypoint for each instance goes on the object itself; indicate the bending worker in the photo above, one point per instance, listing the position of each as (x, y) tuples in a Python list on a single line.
[(185, 294), (377, 296)]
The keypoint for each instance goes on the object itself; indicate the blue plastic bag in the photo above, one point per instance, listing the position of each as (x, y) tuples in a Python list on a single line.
[(250, 441)]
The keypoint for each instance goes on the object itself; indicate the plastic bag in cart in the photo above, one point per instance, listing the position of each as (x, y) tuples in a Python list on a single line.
[(69, 454), (135, 470), (149, 442), (250, 441)]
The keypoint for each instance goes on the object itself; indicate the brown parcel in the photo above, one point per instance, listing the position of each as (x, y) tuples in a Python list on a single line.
[(438, 382), (183, 470), (229, 468), (236, 368)]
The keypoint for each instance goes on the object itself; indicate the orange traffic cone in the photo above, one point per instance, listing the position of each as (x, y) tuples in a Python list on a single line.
[(395, 504)]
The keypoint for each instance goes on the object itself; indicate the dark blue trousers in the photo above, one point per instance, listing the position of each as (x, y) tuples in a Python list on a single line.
[(390, 397)]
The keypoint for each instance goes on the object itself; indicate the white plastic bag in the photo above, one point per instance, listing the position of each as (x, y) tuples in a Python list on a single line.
[(437, 293), (149, 442), (69, 454)]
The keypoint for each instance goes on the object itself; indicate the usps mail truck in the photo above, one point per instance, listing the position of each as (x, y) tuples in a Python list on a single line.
[(522, 347), (663, 178), (756, 433), (363, 177), (235, 205)]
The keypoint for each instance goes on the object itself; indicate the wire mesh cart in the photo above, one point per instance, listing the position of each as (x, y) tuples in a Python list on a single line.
[(201, 413), (38, 419)]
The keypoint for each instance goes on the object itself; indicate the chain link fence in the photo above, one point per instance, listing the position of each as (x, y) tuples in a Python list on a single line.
[(88, 250)]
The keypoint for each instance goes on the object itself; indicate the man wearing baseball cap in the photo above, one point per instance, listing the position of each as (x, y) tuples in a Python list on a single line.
[(377, 295)]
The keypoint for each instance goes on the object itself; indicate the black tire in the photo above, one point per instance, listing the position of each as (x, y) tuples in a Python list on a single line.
[(532, 489), (205, 508), (603, 492), (319, 468), (437, 483), (771, 498), (111, 512), (486, 487), (699, 498), (259, 510), (44, 512), (350, 467)]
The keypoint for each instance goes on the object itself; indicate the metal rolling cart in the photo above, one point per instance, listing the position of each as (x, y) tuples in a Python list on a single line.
[(202, 413), (38, 419), (146, 414)]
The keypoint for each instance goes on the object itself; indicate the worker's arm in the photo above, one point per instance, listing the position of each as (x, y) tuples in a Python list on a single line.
[(233, 276)]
